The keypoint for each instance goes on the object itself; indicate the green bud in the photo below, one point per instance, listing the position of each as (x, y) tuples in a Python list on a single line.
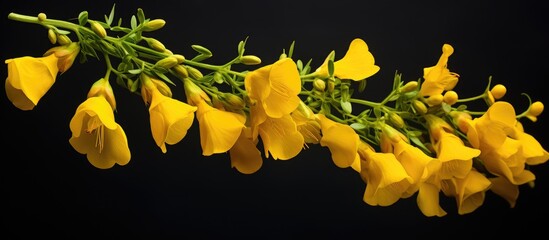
[(194, 73), (319, 84), (218, 77), (98, 29), (155, 44), (154, 25), (52, 36), (42, 17), (63, 39), (181, 71), (167, 62), (409, 86), (396, 120), (250, 60), (419, 106), (180, 58)]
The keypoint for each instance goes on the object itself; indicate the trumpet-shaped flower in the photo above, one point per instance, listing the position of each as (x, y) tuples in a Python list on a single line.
[(508, 161), (386, 179), (96, 134), (219, 130), (341, 139), (469, 191), (29, 78), (357, 64), (438, 78), (170, 119)]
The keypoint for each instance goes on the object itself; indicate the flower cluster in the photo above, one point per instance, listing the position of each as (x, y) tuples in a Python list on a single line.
[(420, 141)]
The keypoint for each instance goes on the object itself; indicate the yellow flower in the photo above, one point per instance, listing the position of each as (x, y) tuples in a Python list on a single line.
[(66, 54), (386, 179), (534, 153), (455, 157), (469, 191), (357, 64), (244, 155), (341, 139), (96, 134), (275, 87), (281, 138), (438, 78), (417, 164), (170, 119), (219, 130), (273, 91), (508, 161), (29, 78)]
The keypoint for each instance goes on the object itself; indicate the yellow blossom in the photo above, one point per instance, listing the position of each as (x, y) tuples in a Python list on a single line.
[(170, 119), (29, 78), (417, 164), (96, 134), (469, 191), (357, 64), (341, 139), (386, 180), (505, 189), (219, 130), (438, 78), (281, 138), (275, 87)]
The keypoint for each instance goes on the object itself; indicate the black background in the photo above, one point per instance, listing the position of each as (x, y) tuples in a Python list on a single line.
[(51, 190)]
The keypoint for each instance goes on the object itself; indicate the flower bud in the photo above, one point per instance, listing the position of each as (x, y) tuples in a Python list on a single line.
[(536, 108), (63, 39), (42, 17), (167, 62), (434, 100), (319, 84), (250, 60), (194, 93), (103, 88), (419, 106), (396, 120), (162, 87), (98, 29), (450, 97), (331, 84), (194, 73), (232, 102), (52, 36), (181, 71), (498, 91), (409, 86), (154, 25), (180, 58), (155, 44)]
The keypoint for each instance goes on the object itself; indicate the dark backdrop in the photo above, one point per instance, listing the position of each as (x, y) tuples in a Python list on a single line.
[(49, 189)]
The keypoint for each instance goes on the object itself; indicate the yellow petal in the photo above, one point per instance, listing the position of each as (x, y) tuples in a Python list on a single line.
[(219, 130), (505, 189), (285, 87), (341, 139), (281, 138), (358, 62), (428, 200), (245, 157)]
